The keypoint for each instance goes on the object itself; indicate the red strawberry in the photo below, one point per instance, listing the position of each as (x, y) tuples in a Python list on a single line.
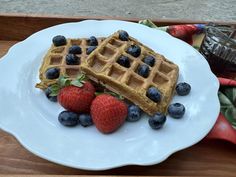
[(108, 113), (77, 99)]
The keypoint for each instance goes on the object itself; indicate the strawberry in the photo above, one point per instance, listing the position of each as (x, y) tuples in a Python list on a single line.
[(108, 113), (77, 99)]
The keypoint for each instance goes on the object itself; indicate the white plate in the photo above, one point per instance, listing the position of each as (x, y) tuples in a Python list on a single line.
[(32, 119)]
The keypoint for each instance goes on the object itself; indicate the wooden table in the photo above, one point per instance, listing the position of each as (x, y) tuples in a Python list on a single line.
[(209, 157)]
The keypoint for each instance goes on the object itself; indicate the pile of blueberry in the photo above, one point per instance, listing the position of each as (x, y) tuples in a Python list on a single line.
[(71, 57), (175, 110), (92, 43), (67, 118), (135, 51), (70, 119)]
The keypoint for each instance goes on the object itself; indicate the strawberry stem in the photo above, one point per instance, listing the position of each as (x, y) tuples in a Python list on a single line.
[(65, 81)]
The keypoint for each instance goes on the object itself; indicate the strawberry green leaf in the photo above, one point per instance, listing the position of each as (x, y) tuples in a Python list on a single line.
[(77, 83), (54, 94), (81, 77), (116, 95), (63, 81), (54, 89), (110, 93), (98, 93)]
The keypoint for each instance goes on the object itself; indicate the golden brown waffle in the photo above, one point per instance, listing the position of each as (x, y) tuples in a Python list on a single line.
[(55, 58), (101, 66)]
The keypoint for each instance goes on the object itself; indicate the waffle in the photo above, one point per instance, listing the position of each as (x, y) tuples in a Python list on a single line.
[(55, 58), (101, 66)]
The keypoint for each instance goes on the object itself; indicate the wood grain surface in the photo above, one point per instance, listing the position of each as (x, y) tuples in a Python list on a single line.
[(20, 26), (215, 158), (206, 158)]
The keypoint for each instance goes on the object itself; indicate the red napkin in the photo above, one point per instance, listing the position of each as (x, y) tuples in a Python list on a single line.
[(222, 128), (226, 82)]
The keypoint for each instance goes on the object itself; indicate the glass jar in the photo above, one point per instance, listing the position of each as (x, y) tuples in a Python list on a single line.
[(219, 48)]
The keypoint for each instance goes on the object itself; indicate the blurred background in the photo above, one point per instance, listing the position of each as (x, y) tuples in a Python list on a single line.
[(207, 10)]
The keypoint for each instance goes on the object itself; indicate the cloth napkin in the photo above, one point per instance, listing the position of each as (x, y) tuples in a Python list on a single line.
[(225, 126)]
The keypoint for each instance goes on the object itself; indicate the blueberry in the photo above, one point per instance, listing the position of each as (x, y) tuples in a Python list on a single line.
[(134, 113), (124, 61), (92, 41), (183, 88), (134, 50), (150, 60), (47, 92), (143, 70), (157, 121), (68, 118), (123, 35), (85, 120), (176, 110), (75, 49), (154, 94), (52, 73), (72, 59), (59, 40), (90, 49)]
